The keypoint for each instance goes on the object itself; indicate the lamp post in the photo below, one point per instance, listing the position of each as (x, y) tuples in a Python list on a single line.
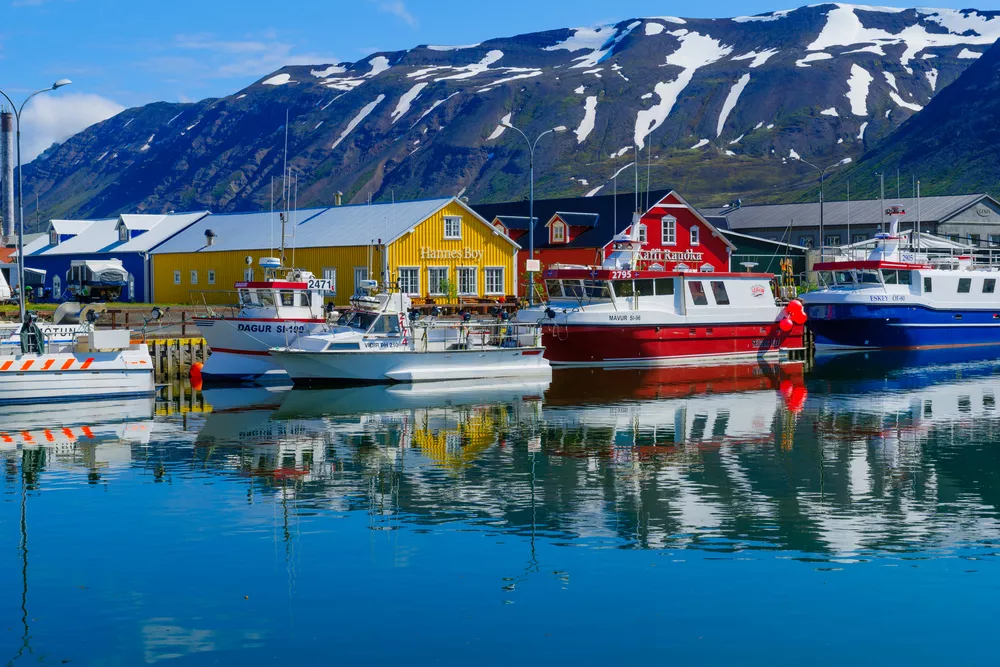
[(822, 176), (531, 200), (20, 189)]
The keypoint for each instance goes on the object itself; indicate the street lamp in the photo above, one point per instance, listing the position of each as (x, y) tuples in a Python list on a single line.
[(20, 190), (822, 175), (531, 199)]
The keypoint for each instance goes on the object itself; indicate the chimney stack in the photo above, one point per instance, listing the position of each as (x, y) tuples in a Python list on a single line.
[(338, 197), (7, 176)]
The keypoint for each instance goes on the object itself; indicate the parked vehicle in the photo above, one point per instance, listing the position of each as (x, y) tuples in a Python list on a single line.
[(91, 280)]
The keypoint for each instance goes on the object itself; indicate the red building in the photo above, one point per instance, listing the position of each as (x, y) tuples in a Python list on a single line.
[(581, 231)]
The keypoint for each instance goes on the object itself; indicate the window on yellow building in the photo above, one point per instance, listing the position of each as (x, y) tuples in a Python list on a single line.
[(177, 277), (467, 281), (494, 280), (211, 277), (409, 280), (194, 277), (437, 276), (452, 227)]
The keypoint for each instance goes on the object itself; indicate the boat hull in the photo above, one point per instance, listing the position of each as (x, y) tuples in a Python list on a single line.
[(88, 376), (240, 347), (306, 367), (862, 326), (612, 345)]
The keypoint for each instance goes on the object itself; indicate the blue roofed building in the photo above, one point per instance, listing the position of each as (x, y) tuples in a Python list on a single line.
[(129, 238)]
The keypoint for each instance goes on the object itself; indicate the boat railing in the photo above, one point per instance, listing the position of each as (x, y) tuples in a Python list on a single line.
[(980, 257), (441, 336)]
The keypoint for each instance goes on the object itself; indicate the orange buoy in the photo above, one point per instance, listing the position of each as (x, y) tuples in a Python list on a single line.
[(196, 381)]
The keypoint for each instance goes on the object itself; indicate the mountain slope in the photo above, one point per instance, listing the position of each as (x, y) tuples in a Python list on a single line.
[(716, 106), (952, 146)]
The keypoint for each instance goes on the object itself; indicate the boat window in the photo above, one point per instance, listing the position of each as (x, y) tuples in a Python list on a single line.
[(357, 320), (927, 284), (265, 297), (644, 287), (906, 277), (989, 285), (387, 324), (869, 277), (596, 289), (964, 285), (305, 298), (844, 277), (287, 297), (889, 277), (825, 278), (245, 297), (719, 292), (572, 289), (698, 293), (623, 288), (554, 288), (664, 286)]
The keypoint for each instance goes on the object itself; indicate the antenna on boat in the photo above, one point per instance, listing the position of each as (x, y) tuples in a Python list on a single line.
[(849, 240), (637, 177), (271, 219), (918, 215), (881, 202), (649, 164), (296, 218)]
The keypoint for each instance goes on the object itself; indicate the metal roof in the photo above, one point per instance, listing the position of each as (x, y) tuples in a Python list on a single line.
[(70, 226), (101, 236), (356, 225), (514, 221), (835, 213), (574, 219)]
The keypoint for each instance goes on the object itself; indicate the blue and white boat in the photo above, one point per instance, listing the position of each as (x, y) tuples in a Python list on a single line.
[(904, 299)]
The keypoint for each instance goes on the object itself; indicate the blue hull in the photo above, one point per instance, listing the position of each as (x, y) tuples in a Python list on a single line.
[(902, 326)]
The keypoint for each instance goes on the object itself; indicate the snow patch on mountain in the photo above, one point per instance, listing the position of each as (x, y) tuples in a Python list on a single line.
[(403, 106), (451, 48), (702, 142), (599, 41), (793, 155), (580, 90), (361, 115), (149, 142), (871, 48), (758, 57), (857, 89), (695, 51), (812, 57), (891, 80), (832, 111), (654, 29), (593, 192), (589, 118), (932, 76), (970, 55), (501, 127), (844, 28), (903, 103), (730, 103), (278, 80), (328, 72), (471, 70), (861, 130), (433, 107), (737, 140), (772, 16)]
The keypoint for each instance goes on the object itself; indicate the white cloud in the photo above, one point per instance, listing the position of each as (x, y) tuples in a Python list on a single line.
[(52, 118), (398, 9)]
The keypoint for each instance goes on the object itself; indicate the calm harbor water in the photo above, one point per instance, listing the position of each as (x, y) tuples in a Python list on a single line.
[(737, 515)]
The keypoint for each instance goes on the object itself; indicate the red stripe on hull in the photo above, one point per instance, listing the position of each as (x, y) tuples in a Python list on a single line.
[(596, 344)]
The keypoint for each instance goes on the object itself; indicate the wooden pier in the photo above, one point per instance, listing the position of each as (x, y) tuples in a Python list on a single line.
[(173, 357)]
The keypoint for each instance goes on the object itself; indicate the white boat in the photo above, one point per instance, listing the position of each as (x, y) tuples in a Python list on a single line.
[(94, 365), (377, 341), (271, 312), (630, 312)]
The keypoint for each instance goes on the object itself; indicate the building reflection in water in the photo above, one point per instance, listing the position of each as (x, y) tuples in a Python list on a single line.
[(854, 458)]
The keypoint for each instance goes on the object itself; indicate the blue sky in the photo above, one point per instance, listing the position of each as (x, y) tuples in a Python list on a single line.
[(123, 53)]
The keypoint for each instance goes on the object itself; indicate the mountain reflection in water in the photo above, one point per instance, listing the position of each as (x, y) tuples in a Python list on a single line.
[(877, 459)]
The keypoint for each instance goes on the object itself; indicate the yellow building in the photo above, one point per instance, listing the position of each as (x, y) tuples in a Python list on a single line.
[(437, 249)]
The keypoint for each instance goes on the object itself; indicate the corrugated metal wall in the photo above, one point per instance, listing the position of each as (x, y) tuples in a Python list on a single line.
[(479, 247)]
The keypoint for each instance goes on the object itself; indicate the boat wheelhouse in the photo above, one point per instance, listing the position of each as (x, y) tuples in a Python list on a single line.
[(630, 311), (886, 302), (272, 312)]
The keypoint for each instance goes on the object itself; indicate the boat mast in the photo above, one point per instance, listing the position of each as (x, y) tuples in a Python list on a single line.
[(918, 215)]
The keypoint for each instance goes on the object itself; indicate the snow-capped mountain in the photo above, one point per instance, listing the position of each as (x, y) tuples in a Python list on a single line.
[(952, 146), (716, 107)]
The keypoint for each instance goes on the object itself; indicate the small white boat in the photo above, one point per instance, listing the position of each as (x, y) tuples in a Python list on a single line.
[(379, 340), (94, 365)]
